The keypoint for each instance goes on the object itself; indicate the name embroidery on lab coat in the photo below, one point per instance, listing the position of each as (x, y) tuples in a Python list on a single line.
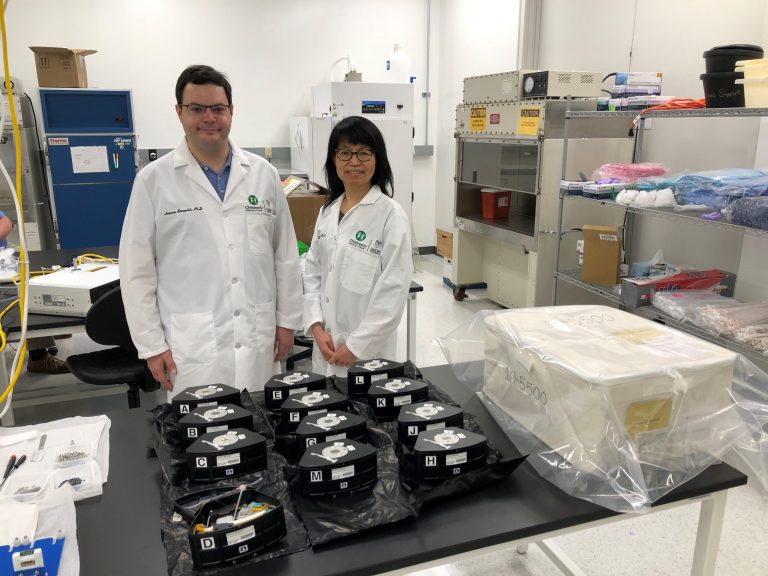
[(182, 210)]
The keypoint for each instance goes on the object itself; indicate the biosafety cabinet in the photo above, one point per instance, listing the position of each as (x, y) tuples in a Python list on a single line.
[(513, 148), (388, 106)]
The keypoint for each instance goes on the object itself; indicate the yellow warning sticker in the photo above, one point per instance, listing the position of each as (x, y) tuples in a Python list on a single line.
[(648, 415), (639, 335), (477, 119), (528, 122)]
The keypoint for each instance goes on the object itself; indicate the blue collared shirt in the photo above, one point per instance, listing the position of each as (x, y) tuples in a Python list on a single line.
[(219, 179)]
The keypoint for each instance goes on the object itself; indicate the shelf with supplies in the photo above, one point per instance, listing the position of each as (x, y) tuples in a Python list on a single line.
[(680, 113), (692, 216), (611, 294), (653, 313), (574, 277)]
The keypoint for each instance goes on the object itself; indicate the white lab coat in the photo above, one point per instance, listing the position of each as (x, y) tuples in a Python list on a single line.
[(207, 279), (356, 277)]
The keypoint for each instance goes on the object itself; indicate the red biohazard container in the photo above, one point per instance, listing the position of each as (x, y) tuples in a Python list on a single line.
[(495, 203)]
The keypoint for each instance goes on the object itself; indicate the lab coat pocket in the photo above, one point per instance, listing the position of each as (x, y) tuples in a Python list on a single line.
[(358, 271), (264, 327), (193, 338), (260, 228)]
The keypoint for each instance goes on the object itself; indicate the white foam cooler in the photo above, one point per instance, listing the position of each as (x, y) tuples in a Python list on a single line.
[(588, 379)]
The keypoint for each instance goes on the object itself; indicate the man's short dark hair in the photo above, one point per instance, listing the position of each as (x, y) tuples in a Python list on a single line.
[(202, 74)]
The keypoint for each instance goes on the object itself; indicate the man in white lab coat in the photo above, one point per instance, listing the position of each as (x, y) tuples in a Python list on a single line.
[(208, 259)]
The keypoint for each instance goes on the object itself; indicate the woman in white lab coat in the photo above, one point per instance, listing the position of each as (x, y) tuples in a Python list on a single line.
[(358, 268)]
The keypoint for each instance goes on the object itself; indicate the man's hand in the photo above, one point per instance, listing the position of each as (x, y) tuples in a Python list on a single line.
[(161, 366), (283, 342), (343, 357), (323, 341)]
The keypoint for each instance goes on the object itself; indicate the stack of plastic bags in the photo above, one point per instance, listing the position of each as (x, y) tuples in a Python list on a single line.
[(746, 323)]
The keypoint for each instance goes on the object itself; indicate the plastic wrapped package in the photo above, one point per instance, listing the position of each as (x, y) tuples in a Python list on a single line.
[(628, 172), (657, 182), (719, 315), (610, 407), (748, 212), (716, 188), (692, 306), (755, 335), (663, 198)]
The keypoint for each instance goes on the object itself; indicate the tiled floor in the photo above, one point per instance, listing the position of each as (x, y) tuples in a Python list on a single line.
[(660, 544)]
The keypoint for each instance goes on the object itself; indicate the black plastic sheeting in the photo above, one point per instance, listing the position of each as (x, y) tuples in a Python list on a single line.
[(497, 468), (396, 496), (328, 519)]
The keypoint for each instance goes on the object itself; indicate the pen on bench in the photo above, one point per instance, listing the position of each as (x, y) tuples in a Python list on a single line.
[(8, 469)]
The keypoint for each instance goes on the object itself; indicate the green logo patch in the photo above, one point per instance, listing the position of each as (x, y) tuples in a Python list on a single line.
[(360, 236), (253, 201)]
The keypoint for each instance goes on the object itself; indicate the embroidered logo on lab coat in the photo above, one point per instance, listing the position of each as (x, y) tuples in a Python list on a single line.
[(372, 246), (253, 206)]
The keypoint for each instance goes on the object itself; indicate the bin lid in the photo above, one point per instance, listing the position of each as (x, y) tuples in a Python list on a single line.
[(747, 47)]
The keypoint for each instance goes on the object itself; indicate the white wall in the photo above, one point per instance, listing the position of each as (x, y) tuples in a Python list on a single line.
[(670, 37), (272, 50), (476, 37)]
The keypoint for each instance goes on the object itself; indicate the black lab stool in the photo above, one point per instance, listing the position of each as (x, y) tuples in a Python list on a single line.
[(106, 324)]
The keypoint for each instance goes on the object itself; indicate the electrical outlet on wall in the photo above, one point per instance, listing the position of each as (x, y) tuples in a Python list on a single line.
[(268, 153)]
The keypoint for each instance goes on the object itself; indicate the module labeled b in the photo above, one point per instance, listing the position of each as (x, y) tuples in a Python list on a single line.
[(206, 419)]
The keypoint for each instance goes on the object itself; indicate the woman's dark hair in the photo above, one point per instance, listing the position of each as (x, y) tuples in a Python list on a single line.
[(360, 132), (201, 74)]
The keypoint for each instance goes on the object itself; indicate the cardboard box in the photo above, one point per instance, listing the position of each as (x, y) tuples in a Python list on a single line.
[(304, 210), (602, 255), (61, 67), (444, 243), (639, 291)]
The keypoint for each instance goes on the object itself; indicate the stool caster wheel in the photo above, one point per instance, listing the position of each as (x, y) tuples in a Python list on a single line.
[(459, 293)]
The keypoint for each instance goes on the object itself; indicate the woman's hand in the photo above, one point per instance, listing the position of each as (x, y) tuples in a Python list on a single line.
[(343, 357), (323, 341)]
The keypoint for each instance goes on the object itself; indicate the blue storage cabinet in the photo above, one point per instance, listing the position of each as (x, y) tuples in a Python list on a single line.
[(91, 150)]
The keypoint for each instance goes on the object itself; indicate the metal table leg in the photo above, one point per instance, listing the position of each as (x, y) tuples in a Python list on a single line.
[(708, 534), (410, 321)]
